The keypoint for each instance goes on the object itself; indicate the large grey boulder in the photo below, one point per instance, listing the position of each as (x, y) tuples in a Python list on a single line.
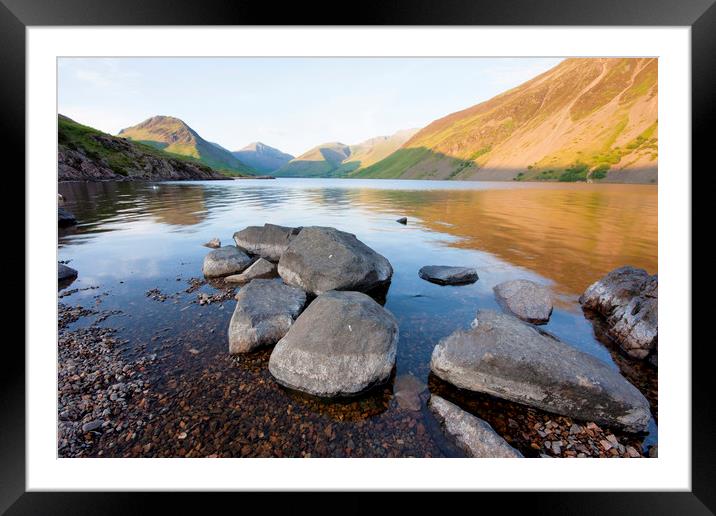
[(511, 359), (265, 310), (320, 259), (526, 299), (448, 275), (341, 345), (268, 241), (224, 261), (261, 268), (65, 273), (628, 299), (473, 435)]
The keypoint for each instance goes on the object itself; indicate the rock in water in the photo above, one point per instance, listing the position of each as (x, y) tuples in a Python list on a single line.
[(214, 243), (341, 345), (527, 300), (320, 259), (473, 435), (65, 218), (406, 390), (269, 241), (402, 220), (510, 359), (259, 269), (264, 312), (65, 273), (446, 275), (224, 261), (628, 299)]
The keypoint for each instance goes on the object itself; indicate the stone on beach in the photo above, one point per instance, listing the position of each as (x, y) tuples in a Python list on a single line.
[(342, 344), (526, 299), (214, 243), (448, 275), (261, 268), (320, 259), (510, 359), (224, 261), (65, 218), (473, 435), (268, 241), (627, 298), (265, 310)]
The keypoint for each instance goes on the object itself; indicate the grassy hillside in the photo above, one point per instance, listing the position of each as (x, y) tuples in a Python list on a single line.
[(585, 119), (174, 136)]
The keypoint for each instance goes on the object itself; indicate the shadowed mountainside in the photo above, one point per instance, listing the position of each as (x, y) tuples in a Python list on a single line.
[(262, 158), (176, 137), (584, 120), (86, 154)]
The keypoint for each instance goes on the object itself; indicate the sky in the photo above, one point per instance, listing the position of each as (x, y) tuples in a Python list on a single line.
[(292, 104)]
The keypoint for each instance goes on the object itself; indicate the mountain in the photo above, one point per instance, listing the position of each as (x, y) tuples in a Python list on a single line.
[(86, 154), (337, 159), (262, 158), (176, 137), (585, 119)]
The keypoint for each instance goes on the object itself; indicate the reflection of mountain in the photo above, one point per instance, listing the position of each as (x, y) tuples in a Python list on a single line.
[(571, 235)]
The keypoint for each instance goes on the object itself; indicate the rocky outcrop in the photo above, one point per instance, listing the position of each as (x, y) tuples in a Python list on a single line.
[(65, 218), (473, 435), (526, 299), (224, 261), (260, 269), (320, 259), (447, 275), (628, 299), (265, 310), (505, 357), (341, 345), (268, 241)]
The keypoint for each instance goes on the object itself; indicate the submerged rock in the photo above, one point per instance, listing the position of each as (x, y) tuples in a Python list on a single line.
[(473, 435), (628, 299), (320, 259), (407, 390), (261, 268), (505, 357), (224, 261), (447, 275), (65, 218), (268, 241), (526, 299), (341, 345), (214, 243), (265, 310)]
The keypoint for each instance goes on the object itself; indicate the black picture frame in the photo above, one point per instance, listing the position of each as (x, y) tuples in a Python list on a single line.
[(700, 15)]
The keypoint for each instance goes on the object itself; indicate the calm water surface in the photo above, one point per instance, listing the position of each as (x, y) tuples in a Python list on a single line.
[(133, 237)]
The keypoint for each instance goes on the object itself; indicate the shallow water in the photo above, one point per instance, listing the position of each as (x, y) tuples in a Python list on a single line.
[(133, 237)]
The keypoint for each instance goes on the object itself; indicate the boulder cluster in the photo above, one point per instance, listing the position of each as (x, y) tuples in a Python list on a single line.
[(308, 291)]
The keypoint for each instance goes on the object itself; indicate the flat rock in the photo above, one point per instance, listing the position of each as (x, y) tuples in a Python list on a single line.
[(342, 344), (628, 299), (268, 241), (214, 243), (448, 275), (261, 268), (265, 310), (473, 435), (224, 261), (65, 218), (320, 259), (526, 299), (510, 359), (65, 273)]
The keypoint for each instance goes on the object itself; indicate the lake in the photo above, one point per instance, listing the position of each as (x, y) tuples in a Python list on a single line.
[(132, 238)]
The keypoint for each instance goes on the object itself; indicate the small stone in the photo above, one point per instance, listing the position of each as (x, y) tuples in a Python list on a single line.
[(402, 220), (92, 425), (214, 243)]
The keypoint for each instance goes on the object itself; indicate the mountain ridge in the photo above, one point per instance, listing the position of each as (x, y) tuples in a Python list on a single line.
[(262, 157)]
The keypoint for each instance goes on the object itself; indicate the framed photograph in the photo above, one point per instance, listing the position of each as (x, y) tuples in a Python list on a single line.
[(423, 252)]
